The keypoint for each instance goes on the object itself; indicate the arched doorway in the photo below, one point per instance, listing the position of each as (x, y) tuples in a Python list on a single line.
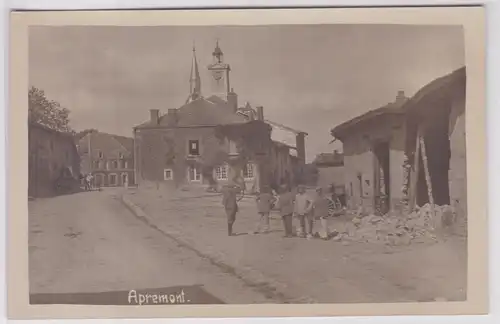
[(125, 181)]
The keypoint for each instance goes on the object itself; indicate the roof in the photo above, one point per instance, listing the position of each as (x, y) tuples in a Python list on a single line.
[(391, 108), (292, 130), (126, 142), (329, 159), (109, 144), (200, 112), (439, 87)]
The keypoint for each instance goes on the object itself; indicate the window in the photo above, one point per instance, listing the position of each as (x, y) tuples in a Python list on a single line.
[(194, 174), (100, 154), (115, 164), (194, 147), (96, 164), (233, 150), (120, 155), (248, 171), (126, 165), (112, 179), (221, 172), (168, 174)]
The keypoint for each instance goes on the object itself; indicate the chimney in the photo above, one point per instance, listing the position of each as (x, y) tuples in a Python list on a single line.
[(260, 113), (155, 116), (232, 100), (401, 98), (300, 140), (172, 117)]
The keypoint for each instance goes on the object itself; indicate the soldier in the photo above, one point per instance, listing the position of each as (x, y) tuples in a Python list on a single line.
[(230, 206), (265, 201), (303, 207), (285, 203), (320, 210)]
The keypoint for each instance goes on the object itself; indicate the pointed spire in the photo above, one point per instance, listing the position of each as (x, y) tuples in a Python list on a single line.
[(195, 81), (217, 53)]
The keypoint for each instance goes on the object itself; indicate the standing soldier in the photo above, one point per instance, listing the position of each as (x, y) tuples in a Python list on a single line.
[(285, 203), (230, 206), (303, 207), (321, 210), (265, 200)]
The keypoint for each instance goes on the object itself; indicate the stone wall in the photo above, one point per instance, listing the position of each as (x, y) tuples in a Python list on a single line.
[(49, 153), (457, 175), (359, 161)]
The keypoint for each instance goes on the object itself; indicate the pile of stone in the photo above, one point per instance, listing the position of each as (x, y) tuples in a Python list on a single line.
[(420, 226)]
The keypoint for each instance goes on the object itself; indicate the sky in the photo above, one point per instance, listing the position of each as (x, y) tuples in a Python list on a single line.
[(309, 77)]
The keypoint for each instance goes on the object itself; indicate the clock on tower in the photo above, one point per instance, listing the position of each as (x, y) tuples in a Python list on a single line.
[(219, 74)]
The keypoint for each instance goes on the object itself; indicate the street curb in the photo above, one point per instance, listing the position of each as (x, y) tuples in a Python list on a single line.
[(269, 287)]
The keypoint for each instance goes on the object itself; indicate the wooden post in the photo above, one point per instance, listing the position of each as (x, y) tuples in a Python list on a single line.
[(414, 175), (427, 176)]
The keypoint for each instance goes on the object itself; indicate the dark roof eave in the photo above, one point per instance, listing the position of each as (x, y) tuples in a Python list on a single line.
[(341, 129)]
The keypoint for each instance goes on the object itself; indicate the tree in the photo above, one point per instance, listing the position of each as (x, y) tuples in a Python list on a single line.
[(47, 112)]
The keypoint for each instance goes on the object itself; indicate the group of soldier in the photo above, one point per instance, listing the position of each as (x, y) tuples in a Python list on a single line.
[(300, 206)]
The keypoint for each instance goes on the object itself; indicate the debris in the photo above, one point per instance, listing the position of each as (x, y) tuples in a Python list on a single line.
[(419, 226)]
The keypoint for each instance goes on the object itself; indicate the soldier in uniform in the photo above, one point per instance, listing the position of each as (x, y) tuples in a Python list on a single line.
[(230, 206)]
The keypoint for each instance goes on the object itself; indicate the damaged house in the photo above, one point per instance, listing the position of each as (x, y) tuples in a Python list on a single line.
[(373, 148), (189, 146), (435, 143)]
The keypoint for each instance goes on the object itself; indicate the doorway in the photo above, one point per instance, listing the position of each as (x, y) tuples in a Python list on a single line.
[(438, 152)]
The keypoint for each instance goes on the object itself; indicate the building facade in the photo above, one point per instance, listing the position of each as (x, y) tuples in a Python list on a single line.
[(331, 171), (181, 148), (436, 122), (52, 155), (110, 159), (374, 156)]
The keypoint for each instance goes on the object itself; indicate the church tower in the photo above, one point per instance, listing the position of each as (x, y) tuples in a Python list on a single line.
[(219, 71), (194, 80)]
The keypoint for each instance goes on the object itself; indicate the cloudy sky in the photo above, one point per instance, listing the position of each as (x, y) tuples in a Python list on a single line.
[(307, 77)]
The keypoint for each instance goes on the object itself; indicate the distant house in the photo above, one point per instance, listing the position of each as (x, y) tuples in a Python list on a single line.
[(174, 149), (373, 148), (52, 155), (436, 115), (110, 158), (331, 171)]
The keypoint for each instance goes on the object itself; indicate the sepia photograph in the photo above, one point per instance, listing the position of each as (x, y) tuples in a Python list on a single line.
[(220, 164)]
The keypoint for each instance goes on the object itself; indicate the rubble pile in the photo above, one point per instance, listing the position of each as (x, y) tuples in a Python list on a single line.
[(417, 227)]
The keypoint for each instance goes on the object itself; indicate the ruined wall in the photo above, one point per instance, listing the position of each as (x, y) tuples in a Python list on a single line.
[(329, 175), (457, 175), (359, 161)]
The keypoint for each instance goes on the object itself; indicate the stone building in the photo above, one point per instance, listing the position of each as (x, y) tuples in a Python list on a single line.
[(374, 156), (330, 171), (170, 147), (52, 154), (111, 158), (436, 122)]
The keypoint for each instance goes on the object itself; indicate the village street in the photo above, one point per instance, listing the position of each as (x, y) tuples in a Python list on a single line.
[(89, 242)]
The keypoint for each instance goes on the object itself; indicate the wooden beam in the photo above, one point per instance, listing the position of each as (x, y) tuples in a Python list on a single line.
[(415, 173), (427, 176)]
